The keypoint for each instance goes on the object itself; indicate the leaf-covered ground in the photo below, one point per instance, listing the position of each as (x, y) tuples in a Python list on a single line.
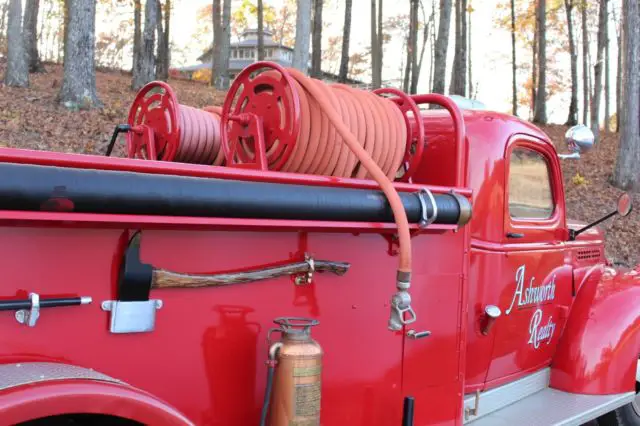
[(32, 119)]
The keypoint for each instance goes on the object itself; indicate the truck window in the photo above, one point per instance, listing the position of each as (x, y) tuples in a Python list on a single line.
[(530, 195)]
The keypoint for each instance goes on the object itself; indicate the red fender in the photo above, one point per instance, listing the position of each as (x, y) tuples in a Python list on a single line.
[(39, 399), (598, 350)]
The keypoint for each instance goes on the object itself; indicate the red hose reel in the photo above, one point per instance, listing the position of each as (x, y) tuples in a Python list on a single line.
[(270, 120)]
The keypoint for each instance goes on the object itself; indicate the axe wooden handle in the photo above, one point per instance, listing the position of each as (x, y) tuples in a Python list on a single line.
[(167, 279)]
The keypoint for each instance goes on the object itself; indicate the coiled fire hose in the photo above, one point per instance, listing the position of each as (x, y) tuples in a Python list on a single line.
[(309, 127)]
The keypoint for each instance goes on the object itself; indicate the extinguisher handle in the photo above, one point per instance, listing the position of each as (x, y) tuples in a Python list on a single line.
[(271, 330)]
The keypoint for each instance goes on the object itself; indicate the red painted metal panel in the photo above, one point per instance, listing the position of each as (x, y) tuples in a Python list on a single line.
[(438, 282), (599, 349)]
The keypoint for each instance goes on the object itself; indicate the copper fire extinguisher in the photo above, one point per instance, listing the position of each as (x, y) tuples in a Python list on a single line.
[(294, 375)]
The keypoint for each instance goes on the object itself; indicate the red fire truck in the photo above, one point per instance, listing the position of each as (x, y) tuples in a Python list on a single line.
[(310, 254)]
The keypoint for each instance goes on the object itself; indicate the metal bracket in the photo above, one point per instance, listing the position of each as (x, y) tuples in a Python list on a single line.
[(425, 220), (30, 317), (132, 317), (468, 411), (308, 277)]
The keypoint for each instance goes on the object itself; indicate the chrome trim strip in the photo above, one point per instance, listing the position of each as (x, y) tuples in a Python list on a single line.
[(13, 375)]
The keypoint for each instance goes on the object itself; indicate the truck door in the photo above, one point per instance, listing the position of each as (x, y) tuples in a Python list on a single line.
[(534, 279)]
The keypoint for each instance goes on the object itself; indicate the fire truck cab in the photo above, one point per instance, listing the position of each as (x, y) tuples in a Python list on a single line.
[(145, 291)]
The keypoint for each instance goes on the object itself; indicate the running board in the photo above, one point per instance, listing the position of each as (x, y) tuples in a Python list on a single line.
[(530, 398)]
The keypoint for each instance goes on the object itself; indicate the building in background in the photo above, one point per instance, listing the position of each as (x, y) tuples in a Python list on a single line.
[(245, 52)]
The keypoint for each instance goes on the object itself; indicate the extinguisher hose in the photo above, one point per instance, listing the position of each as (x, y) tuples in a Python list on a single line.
[(271, 368)]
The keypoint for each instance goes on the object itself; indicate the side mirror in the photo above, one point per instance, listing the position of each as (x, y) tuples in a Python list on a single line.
[(579, 139), (623, 209), (624, 204)]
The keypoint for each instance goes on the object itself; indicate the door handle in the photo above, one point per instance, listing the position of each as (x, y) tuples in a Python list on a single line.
[(514, 235), (412, 334)]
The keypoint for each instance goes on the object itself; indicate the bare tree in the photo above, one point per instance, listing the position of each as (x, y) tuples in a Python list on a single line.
[(375, 82), (514, 87), (260, 17), (534, 69), (79, 82), (415, 74), (303, 33), (137, 37), (607, 79), (540, 115), (216, 14), (597, 70), (161, 52), (346, 35), (4, 10), (166, 41), (17, 73), (146, 66), (30, 29), (627, 171), (572, 119), (585, 64), (470, 79), (316, 57), (618, 70), (380, 40), (221, 60), (459, 71), (412, 42), (442, 42)]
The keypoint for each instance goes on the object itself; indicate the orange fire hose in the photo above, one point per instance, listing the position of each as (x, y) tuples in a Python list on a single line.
[(343, 132), (386, 135)]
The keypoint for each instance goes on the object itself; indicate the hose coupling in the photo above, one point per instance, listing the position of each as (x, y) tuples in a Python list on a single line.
[(401, 305)]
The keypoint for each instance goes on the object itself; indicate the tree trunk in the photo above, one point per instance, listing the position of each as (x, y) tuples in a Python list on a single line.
[(585, 64), (597, 71), (17, 73), (303, 33), (222, 80), (380, 39), (425, 39), (514, 86), (442, 42), (468, 15), (414, 51), (607, 80), (160, 62), (146, 69), (217, 38), (4, 10), (79, 82), (316, 57), (137, 36), (260, 10), (627, 170), (30, 29), (619, 72), (540, 115), (572, 119), (346, 35), (534, 70), (459, 71), (374, 46), (166, 60), (411, 43)]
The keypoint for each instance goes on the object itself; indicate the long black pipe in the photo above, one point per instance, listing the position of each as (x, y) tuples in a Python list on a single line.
[(49, 188)]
